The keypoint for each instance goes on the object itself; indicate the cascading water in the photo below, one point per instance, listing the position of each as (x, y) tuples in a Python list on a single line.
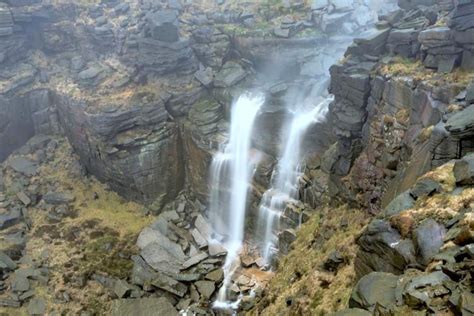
[(286, 175), (232, 167)]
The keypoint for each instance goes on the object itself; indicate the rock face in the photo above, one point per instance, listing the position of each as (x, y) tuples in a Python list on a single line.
[(149, 157), (391, 129), (23, 116), (382, 255), (142, 91)]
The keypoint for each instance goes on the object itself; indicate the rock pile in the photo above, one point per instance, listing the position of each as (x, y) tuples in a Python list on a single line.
[(391, 128), (22, 191), (178, 260), (425, 264)]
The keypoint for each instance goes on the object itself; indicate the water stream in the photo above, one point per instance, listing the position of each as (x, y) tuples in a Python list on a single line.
[(232, 168), (285, 177)]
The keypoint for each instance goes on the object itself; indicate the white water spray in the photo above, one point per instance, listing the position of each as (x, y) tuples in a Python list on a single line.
[(233, 166), (286, 176)]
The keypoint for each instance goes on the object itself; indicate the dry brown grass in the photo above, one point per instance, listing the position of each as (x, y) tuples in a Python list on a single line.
[(107, 219), (300, 275), (414, 68)]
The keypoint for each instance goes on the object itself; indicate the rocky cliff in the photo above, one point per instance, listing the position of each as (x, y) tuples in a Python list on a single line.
[(402, 116), (137, 94)]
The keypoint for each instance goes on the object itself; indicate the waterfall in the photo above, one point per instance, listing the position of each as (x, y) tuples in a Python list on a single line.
[(232, 169), (312, 109), (285, 177)]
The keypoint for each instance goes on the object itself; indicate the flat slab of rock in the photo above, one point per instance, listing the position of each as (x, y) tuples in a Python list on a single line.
[(9, 303), (429, 236), (230, 74), (194, 260), (199, 238), (12, 217), (121, 288), (461, 124), (6, 262), (20, 283), (37, 306), (169, 284), (205, 288), (217, 250), (24, 198), (374, 288), (215, 276), (203, 226), (166, 258), (164, 25), (425, 187), (24, 166), (58, 198), (149, 306)]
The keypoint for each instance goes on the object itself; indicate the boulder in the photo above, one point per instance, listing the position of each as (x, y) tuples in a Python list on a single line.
[(166, 257), (470, 92), (381, 248), (425, 187), (230, 74), (376, 288), (402, 202), (331, 23), (429, 236), (420, 290), (149, 306), (23, 165), (6, 263), (215, 276), (58, 198), (142, 273), (20, 283), (438, 35), (461, 124), (205, 76), (169, 284), (10, 218), (122, 288), (413, 4), (334, 261), (23, 198), (285, 239), (37, 306), (462, 17), (203, 226), (194, 260), (164, 25), (464, 170), (205, 288), (216, 250)]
